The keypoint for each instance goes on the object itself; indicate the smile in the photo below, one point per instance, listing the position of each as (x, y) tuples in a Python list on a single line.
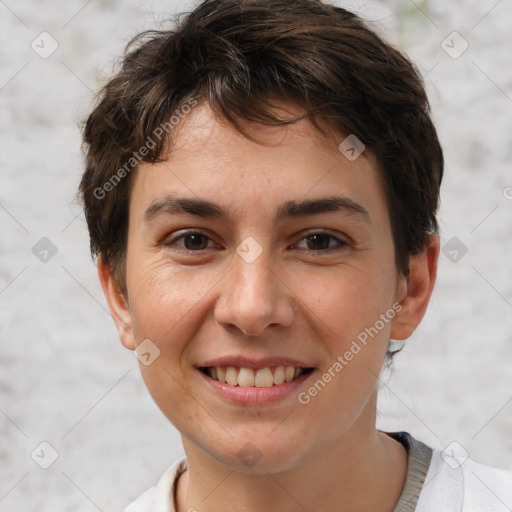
[(265, 377)]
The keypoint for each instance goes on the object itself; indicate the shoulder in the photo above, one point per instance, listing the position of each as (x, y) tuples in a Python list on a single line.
[(456, 483), (160, 497)]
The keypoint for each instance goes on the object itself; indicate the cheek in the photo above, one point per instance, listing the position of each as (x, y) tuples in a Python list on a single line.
[(343, 302), (165, 300)]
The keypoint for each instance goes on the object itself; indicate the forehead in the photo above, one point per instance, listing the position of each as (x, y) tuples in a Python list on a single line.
[(209, 159), (203, 130)]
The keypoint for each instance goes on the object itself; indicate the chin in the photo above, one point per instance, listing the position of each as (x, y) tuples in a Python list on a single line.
[(261, 453)]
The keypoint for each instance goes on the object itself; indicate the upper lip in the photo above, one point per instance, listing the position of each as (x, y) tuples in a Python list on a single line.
[(244, 362)]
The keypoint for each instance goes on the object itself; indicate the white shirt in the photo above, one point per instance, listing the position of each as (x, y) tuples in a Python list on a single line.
[(435, 482)]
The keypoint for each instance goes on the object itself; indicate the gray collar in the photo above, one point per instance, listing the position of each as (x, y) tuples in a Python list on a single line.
[(419, 457)]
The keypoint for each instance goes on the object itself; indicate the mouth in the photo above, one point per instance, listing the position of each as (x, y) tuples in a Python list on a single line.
[(265, 377)]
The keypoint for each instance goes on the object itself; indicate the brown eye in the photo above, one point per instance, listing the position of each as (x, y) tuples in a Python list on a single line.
[(195, 242), (191, 241), (322, 242)]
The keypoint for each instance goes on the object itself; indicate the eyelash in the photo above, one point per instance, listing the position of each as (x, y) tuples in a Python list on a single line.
[(341, 244)]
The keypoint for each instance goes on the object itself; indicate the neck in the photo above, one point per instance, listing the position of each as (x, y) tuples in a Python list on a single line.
[(364, 470)]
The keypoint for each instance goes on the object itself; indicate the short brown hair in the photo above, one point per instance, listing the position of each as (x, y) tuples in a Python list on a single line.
[(239, 55)]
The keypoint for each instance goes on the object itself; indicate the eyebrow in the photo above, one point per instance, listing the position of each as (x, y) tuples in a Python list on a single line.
[(289, 209)]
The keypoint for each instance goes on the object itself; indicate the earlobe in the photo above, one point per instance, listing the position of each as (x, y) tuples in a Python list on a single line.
[(117, 304), (417, 291)]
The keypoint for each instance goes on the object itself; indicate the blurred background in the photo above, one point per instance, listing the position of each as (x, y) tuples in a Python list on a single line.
[(78, 430)]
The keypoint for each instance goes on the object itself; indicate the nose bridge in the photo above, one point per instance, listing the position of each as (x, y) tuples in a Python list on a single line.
[(253, 298), (254, 278)]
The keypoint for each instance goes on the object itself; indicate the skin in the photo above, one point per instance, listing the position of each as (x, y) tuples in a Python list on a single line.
[(293, 300)]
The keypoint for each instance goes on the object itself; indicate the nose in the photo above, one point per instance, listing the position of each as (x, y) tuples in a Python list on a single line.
[(254, 297)]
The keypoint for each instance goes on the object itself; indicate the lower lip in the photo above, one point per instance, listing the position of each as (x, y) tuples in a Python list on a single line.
[(254, 395)]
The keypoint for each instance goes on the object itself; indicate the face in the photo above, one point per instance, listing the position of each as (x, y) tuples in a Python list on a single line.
[(267, 276)]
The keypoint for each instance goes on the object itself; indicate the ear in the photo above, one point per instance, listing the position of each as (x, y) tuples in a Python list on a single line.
[(117, 304), (415, 291)]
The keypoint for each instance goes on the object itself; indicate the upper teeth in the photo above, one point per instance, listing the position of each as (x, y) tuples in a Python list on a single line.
[(248, 377)]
